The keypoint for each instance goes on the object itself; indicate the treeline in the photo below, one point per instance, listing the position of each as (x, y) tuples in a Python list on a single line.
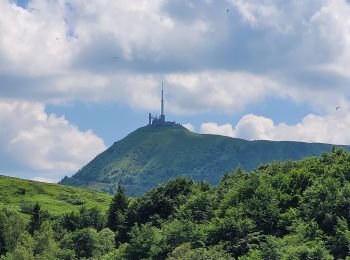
[(289, 210)]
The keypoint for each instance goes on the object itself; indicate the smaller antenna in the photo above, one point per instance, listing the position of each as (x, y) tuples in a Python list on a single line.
[(162, 103)]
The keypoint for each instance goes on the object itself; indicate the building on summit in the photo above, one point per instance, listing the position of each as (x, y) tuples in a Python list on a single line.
[(160, 121)]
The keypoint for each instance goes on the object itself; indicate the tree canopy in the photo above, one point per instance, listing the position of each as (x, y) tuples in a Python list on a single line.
[(281, 210)]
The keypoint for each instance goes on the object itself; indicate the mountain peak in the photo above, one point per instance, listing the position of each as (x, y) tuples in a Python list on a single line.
[(153, 154)]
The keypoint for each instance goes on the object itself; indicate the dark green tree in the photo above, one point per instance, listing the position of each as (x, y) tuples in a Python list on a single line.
[(84, 242), (161, 202), (178, 232), (24, 248), (2, 235), (116, 213), (185, 252), (45, 246), (12, 224), (105, 242), (145, 243), (35, 219), (69, 221), (341, 240), (91, 217)]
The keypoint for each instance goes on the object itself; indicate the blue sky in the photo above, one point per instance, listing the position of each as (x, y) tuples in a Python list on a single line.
[(113, 122), (21, 3), (264, 69)]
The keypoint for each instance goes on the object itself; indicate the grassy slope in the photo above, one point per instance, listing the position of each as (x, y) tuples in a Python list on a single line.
[(152, 155), (57, 199)]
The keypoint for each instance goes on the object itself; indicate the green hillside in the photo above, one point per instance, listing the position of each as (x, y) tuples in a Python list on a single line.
[(153, 155), (20, 195)]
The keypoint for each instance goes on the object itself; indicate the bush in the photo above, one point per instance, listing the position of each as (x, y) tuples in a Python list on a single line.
[(71, 200), (26, 207)]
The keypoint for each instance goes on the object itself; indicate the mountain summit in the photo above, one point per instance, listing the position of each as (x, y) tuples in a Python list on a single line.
[(154, 154)]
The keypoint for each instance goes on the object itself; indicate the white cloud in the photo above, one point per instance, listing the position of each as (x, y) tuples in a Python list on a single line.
[(328, 129), (186, 93), (250, 127), (140, 29), (50, 37), (43, 179), (298, 49), (258, 13), (330, 27), (43, 143), (28, 42), (188, 126), (217, 91), (332, 128), (214, 128)]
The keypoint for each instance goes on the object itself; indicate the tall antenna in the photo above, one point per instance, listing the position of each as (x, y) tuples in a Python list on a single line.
[(162, 104)]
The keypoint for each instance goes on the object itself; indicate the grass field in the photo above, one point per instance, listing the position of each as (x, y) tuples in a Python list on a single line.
[(20, 195)]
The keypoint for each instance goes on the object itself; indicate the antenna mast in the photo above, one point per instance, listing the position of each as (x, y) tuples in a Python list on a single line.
[(160, 121), (162, 103)]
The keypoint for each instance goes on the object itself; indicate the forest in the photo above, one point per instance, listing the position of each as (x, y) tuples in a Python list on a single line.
[(282, 210)]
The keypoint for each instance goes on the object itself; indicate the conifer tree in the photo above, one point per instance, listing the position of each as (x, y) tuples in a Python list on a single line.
[(116, 212), (2, 237), (35, 219)]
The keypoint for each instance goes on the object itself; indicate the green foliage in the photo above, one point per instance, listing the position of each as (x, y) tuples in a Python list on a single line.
[(150, 156), (235, 232), (35, 219), (294, 247), (91, 217), (2, 235), (200, 205), (118, 254), (88, 243), (26, 207), (44, 238), (116, 214), (161, 202), (341, 240), (83, 242), (84, 218), (144, 242), (24, 248), (185, 252), (12, 224), (20, 253), (290, 210), (105, 242), (178, 232)]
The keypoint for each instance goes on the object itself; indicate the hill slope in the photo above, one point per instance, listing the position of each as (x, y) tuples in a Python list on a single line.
[(152, 155), (20, 195)]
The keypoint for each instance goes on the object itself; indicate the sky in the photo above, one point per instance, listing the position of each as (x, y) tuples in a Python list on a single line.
[(77, 75)]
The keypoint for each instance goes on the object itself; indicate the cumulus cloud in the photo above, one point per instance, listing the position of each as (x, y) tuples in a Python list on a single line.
[(258, 13), (214, 128), (59, 51), (252, 127), (33, 41), (217, 91), (313, 128), (189, 126), (186, 93), (33, 140), (330, 26), (49, 37), (44, 179), (54, 51)]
